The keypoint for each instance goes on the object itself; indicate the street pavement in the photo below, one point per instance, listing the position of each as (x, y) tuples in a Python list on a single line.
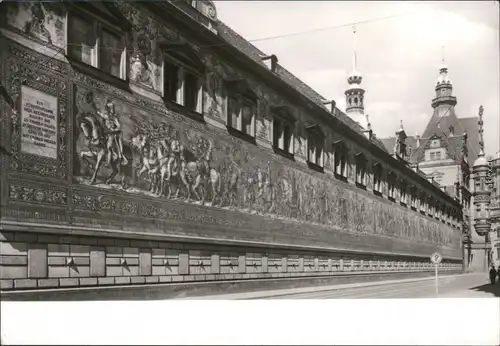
[(475, 285)]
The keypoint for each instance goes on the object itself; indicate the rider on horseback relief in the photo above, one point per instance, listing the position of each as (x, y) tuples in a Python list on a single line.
[(112, 130)]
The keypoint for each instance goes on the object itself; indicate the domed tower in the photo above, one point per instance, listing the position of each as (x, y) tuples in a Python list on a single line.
[(482, 191), (355, 107), (444, 89)]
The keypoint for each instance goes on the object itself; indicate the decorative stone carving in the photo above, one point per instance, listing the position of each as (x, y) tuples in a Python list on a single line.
[(37, 195), (146, 57), (40, 21)]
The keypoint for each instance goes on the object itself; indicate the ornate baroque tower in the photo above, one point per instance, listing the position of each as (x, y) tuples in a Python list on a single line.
[(444, 100), (482, 191), (355, 107)]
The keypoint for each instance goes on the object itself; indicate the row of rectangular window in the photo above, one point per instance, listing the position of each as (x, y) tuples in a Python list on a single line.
[(94, 43)]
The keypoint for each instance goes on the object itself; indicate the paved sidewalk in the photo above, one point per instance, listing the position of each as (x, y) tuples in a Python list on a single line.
[(283, 292), (487, 290)]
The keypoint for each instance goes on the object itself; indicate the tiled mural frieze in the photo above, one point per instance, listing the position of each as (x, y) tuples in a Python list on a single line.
[(146, 168), (220, 171)]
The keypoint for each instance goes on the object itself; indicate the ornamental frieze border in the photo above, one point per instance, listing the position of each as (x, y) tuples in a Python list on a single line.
[(36, 59), (179, 212), (35, 213), (38, 195), (35, 39)]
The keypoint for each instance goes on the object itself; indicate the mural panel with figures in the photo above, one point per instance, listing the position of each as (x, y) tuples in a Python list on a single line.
[(146, 57), (43, 21), (125, 148)]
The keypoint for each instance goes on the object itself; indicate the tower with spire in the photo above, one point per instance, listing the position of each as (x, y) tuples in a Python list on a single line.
[(355, 107), (444, 99)]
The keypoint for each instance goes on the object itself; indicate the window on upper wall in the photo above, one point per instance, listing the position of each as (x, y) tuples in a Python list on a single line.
[(340, 159), (183, 74), (422, 202), (377, 177), (241, 114), (403, 192), (435, 155), (95, 43), (432, 208), (283, 129), (361, 169), (391, 183), (242, 105), (413, 197), (315, 145)]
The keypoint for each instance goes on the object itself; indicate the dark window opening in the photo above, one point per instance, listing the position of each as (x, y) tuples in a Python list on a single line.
[(171, 81), (191, 91)]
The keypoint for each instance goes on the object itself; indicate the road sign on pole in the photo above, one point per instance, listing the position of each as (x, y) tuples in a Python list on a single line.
[(436, 258)]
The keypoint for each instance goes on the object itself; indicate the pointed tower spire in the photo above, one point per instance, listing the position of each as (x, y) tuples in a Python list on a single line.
[(354, 56), (444, 89), (355, 93)]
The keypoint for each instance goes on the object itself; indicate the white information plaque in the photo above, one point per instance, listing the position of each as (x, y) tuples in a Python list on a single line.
[(38, 123)]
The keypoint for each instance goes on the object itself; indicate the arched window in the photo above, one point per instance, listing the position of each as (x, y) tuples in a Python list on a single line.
[(356, 101)]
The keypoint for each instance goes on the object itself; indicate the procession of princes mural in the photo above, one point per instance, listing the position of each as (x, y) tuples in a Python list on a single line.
[(121, 146)]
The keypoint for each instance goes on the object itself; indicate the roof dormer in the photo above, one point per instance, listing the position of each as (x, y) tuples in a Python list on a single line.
[(209, 11)]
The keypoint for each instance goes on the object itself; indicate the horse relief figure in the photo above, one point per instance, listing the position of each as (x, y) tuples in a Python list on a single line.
[(195, 171), (230, 194), (170, 158), (263, 197), (104, 136)]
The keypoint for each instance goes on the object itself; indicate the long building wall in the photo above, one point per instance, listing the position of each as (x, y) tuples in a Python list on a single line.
[(237, 209)]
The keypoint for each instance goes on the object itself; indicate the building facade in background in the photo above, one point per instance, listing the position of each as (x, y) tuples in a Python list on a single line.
[(150, 143), (445, 153)]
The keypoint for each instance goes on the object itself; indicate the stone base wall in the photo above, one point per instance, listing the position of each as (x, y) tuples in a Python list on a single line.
[(43, 261)]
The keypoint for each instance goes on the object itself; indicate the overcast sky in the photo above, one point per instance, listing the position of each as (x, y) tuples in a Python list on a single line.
[(398, 57)]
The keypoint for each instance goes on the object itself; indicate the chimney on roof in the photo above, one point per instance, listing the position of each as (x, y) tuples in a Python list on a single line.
[(332, 104), (418, 140), (271, 62)]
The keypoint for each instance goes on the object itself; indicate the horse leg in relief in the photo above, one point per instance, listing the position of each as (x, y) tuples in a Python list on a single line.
[(100, 156), (114, 172)]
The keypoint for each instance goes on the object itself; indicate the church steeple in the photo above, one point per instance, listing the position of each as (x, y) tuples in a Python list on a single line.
[(444, 88), (355, 107)]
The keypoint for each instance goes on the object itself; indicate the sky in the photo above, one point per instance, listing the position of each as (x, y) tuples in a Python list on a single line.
[(398, 57)]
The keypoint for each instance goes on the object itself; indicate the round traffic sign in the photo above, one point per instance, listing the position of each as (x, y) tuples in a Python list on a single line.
[(436, 258)]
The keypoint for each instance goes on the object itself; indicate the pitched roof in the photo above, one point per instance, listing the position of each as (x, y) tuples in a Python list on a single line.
[(439, 124), (452, 144), (389, 142), (234, 39)]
